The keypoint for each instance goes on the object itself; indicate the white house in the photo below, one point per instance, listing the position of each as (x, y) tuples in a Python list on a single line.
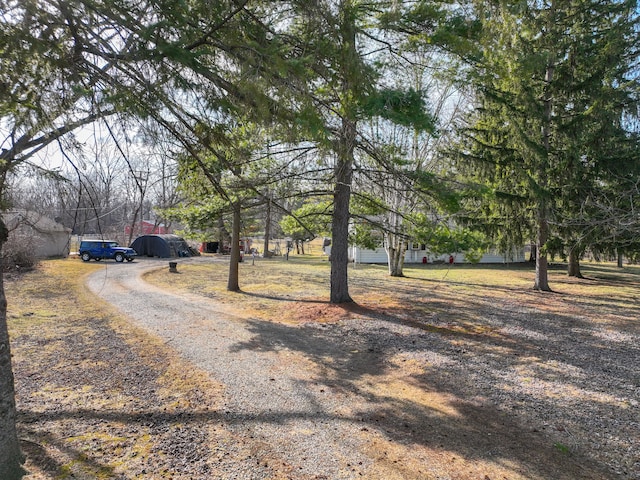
[(419, 254)]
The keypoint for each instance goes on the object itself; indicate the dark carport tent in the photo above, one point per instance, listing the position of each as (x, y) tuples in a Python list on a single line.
[(163, 246)]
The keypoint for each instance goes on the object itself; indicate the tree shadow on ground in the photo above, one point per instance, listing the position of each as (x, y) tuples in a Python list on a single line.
[(410, 374), (477, 433), (473, 429)]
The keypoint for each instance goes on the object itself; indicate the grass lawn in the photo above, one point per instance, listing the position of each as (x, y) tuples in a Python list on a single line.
[(99, 398), (91, 389), (297, 290)]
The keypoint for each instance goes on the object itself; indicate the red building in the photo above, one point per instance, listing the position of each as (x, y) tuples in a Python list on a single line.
[(146, 227)]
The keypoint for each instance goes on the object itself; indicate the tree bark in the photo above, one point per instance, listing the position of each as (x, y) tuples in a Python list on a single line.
[(233, 284), (392, 260), (542, 267), (267, 229), (542, 275), (574, 264), (11, 458), (345, 144), (340, 231), (620, 259), (396, 249), (403, 250), (133, 224), (221, 234)]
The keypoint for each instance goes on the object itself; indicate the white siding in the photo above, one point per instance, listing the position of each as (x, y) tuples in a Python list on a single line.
[(359, 255), (379, 255)]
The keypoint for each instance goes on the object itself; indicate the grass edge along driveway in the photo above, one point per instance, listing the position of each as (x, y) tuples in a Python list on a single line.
[(63, 387)]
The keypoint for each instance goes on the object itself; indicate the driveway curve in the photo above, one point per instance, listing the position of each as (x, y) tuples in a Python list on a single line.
[(286, 410), (388, 396)]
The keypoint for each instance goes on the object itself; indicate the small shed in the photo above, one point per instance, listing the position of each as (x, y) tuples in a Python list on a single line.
[(209, 247), (44, 236), (163, 246)]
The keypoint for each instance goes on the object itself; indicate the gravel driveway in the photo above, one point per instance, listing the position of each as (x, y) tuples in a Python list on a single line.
[(381, 398), (266, 399)]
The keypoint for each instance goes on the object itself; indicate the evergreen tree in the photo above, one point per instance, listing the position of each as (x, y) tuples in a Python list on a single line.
[(44, 96), (342, 89), (552, 82), (225, 180)]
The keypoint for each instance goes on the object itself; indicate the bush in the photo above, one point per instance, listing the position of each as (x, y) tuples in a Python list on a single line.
[(19, 252)]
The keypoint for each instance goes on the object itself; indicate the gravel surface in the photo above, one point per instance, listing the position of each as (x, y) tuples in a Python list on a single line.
[(312, 399), (267, 399)]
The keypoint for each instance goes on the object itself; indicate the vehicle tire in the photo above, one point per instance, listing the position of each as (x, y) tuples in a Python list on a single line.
[(129, 259), (119, 257), (85, 257), (97, 259)]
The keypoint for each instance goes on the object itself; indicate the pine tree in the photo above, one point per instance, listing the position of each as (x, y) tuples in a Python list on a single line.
[(343, 89), (44, 96), (551, 79)]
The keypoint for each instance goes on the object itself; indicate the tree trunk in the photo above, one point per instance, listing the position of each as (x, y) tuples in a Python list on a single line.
[(574, 264), (345, 144), (396, 249), (340, 233), (134, 222), (10, 456), (542, 280), (233, 285), (392, 260), (401, 253), (542, 275), (573, 269), (620, 259), (267, 229), (221, 234)]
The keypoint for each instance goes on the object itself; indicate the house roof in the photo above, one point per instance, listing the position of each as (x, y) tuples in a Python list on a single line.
[(35, 220)]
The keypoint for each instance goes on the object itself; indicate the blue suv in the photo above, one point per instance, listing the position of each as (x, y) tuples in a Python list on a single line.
[(99, 249)]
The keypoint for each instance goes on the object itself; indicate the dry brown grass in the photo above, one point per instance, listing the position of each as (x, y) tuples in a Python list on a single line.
[(457, 303), (297, 290), (99, 398), (93, 391)]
